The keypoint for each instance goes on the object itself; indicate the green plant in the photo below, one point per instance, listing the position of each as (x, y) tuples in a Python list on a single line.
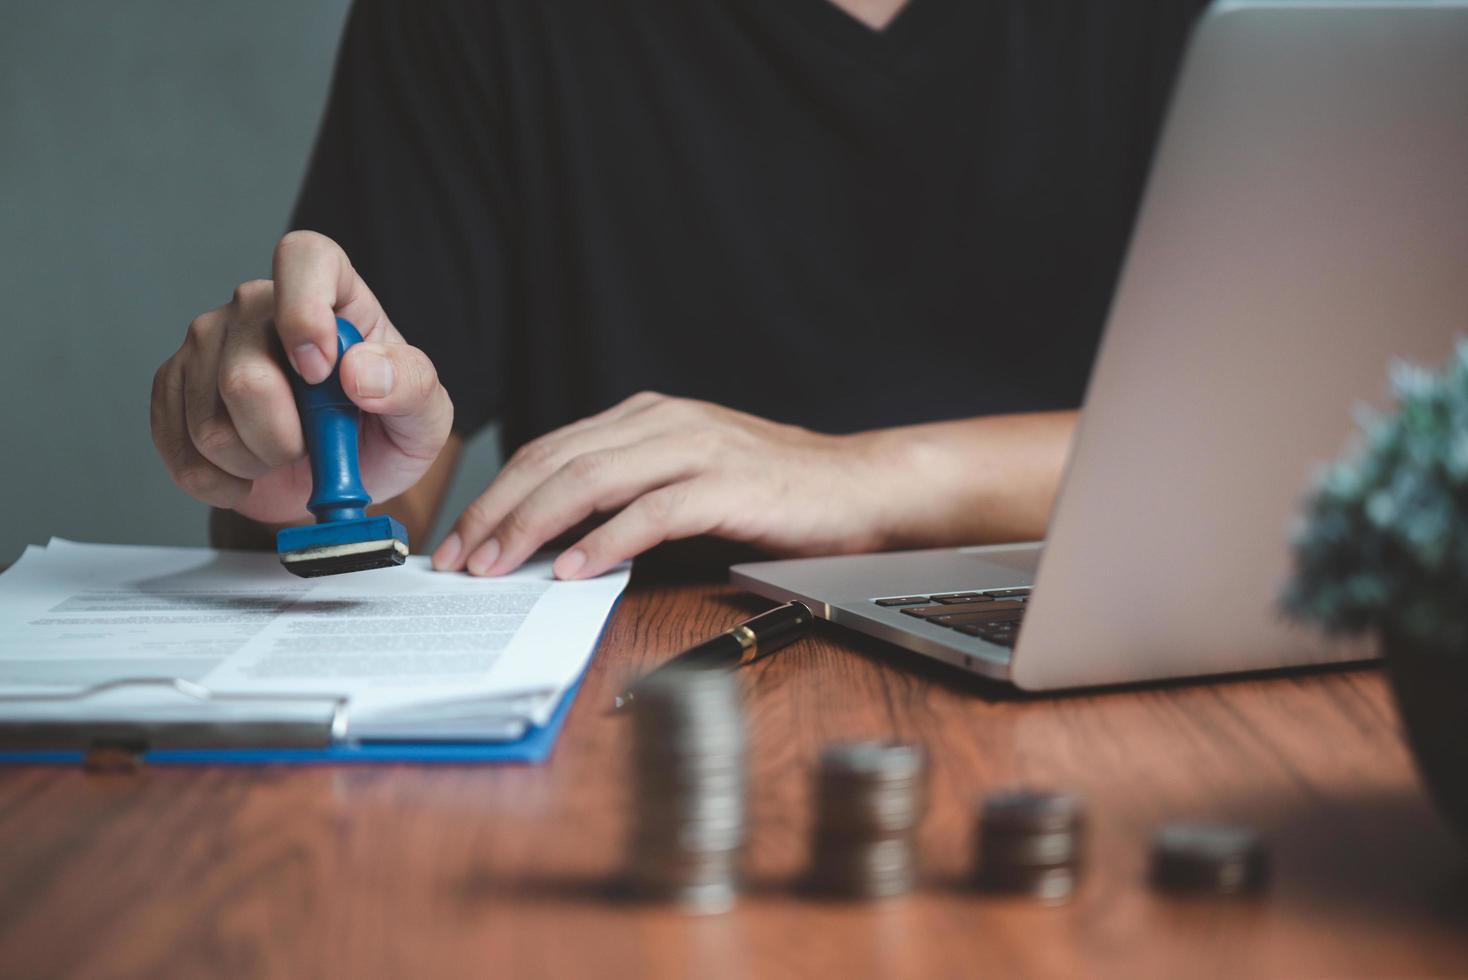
[(1384, 543)]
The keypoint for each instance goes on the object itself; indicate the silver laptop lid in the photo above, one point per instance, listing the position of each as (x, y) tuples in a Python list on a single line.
[(1306, 221)]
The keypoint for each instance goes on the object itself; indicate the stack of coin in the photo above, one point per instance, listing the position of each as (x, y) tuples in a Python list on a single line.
[(1031, 843), (870, 797), (1207, 858), (689, 784)]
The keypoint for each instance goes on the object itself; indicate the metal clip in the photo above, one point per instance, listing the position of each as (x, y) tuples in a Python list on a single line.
[(108, 743)]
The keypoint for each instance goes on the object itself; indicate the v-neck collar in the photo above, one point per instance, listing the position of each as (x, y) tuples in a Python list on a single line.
[(893, 28), (901, 45)]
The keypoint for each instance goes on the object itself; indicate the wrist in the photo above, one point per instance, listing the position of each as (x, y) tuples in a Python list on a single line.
[(972, 481), (912, 485)]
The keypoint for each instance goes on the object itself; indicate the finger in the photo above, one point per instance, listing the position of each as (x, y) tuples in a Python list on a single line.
[(595, 482), (193, 474), (315, 283), (398, 383), (527, 469), (629, 406), (252, 300), (257, 394), (679, 510), (209, 425)]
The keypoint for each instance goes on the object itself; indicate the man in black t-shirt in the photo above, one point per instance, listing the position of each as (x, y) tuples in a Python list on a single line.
[(862, 249)]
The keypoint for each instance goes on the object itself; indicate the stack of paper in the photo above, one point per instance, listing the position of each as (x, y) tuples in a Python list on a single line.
[(416, 654)]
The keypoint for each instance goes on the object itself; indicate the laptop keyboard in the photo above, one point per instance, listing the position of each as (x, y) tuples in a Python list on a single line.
[(990, 614)]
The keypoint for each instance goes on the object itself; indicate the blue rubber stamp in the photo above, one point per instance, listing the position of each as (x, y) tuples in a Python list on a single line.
[(344, 538)]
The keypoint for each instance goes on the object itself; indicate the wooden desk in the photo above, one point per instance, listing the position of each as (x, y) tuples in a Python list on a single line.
[(423, 871)]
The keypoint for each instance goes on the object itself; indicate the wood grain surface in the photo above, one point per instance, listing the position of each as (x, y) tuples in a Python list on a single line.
[(427, 871)]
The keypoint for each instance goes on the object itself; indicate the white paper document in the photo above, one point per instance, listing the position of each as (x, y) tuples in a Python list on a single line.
[(417, 654)]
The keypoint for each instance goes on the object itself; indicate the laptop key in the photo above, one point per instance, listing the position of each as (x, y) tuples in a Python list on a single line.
[(960, 619), (962, 597), (1008, 593), (986, 632), (902, 600), (956, 608)]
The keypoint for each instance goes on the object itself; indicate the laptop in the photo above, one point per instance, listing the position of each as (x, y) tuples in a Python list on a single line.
[(1304, 225)]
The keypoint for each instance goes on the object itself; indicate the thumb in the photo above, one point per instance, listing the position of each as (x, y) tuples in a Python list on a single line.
[(314, 282), (399, 384)]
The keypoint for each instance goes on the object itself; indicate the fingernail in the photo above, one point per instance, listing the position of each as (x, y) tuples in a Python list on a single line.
[(448, 552), (481, 560), (311, 364), (374, 375), (570, 563)]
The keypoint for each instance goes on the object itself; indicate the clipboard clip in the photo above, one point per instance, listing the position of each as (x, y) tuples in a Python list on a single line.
[(120, 743)]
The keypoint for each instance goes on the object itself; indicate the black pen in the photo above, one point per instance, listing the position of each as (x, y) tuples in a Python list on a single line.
[(750, 640)]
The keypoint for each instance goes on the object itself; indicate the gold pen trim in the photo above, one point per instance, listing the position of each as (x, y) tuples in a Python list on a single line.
[(748, 644)]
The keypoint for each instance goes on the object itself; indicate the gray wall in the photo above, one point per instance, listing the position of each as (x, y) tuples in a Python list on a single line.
[(149, 155)]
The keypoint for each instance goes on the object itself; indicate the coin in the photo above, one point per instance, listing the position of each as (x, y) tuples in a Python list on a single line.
[(1031, 810), (870, 798), (690, 786), (1050, 885), (875, 760), (1030, 842), (1042, 850), (1210, 858), (864, 869)]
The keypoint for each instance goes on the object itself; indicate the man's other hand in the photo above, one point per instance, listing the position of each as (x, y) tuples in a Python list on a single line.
[(667, 468)]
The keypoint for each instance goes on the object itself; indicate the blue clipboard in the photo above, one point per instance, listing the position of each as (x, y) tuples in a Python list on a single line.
[(533, 747)]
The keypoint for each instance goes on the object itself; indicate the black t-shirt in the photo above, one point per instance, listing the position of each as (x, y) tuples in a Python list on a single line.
[(761, 203)]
